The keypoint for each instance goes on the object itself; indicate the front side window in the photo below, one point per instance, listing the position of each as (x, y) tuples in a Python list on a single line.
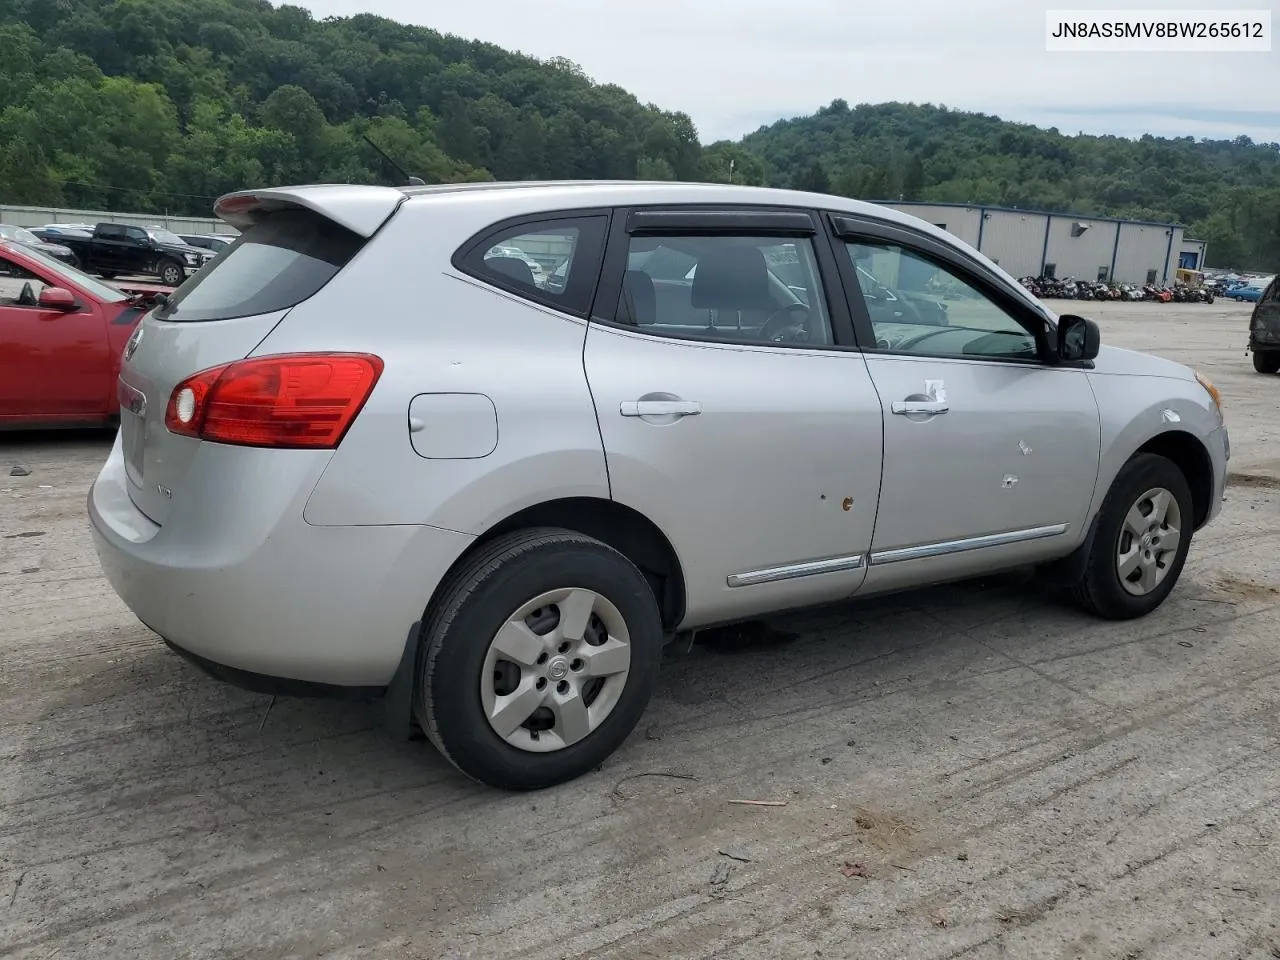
[(19, 287), (63, 273), (743, 289), (917, 306)]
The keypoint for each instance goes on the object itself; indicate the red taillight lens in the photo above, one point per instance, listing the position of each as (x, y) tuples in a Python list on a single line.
[(290, 400)]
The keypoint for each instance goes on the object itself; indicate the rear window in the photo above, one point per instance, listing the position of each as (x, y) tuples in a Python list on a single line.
[(277, 263)]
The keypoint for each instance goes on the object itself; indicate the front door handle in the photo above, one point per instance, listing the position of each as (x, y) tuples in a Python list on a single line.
[(660, 408), (930, 407)]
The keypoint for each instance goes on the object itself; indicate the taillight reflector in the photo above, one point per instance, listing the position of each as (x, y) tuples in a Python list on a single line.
[(304, 400)]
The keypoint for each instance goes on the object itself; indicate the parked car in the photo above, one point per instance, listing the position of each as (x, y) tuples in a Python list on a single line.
[(209, 241), (1250, 292), (57, 232), (25, 237), (1264, 330), (491, 503), (117, 249), (62, 336)]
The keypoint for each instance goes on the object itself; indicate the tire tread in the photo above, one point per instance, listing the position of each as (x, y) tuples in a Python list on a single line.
[(465, 580), (1087, 591)]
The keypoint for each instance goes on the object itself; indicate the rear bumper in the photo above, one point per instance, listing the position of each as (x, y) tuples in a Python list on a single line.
[(275, 686), (239, 583)]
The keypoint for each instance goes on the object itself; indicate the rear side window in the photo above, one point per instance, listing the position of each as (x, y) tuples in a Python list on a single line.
[(277, 263), (550, 261)]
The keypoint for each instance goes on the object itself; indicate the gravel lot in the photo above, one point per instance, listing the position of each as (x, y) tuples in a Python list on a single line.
[(1001, 775)]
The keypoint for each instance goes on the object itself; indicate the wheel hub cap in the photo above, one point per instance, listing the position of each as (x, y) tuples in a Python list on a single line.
[(555, 670), (1148, 541)]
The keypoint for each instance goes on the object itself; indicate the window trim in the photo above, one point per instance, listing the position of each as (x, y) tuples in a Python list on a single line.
[(722, 220), (735, 221), (844, 229), (584, 275)]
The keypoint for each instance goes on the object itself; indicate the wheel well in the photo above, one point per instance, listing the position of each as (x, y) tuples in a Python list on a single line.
[(627, 531), (1190, 456)]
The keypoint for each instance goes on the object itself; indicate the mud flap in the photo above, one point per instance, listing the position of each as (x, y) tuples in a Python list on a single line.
[(397, 702), (1070, 569)]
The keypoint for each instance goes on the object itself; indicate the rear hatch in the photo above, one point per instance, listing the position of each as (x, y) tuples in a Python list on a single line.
[(289, 248)]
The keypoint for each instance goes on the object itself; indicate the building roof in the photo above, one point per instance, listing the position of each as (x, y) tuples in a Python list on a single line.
[(1040, 213)]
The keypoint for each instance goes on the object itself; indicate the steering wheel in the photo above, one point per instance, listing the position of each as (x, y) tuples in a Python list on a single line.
[(911, 342), (28, 298), (784, 326)]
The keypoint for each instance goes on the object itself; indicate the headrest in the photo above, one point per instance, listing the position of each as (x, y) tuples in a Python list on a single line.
[(731, 278), (639, 301), (512, 267)]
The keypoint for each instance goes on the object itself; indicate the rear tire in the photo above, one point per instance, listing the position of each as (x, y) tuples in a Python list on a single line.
[(538, 658), (1266, 361), (1131, 570)]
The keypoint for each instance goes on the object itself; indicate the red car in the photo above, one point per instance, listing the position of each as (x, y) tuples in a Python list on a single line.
[(62, 333)]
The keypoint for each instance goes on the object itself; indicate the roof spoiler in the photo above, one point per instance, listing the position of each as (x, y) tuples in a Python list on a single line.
[(361, 209)]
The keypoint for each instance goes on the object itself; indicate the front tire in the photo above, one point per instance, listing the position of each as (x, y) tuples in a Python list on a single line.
[(171, 273), (1266, 361), (538, 658), (1139, 548)]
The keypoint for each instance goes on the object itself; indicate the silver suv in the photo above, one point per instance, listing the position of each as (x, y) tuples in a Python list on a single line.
[(362, 455)]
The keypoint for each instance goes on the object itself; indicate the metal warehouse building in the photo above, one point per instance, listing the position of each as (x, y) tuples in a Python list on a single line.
[(1033, 243)]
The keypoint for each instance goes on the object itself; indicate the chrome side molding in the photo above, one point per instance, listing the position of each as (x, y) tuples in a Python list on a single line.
[(925, 550), (808, 568), (813, 568)]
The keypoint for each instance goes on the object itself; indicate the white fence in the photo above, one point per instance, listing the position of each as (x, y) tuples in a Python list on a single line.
[(39, 216)]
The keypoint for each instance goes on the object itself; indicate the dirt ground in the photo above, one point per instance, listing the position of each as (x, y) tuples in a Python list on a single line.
[(972, 771)]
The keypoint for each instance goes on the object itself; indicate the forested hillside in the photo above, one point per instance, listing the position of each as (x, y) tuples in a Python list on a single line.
[(162, 105), (1228, 192)]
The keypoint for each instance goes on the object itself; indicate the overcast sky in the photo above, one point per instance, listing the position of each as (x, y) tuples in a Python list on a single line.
[(734, 65)]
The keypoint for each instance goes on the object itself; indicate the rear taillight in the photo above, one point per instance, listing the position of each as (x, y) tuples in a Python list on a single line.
[(290, 400)]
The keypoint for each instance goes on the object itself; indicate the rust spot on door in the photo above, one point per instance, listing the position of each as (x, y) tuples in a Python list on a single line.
[(847, 504)]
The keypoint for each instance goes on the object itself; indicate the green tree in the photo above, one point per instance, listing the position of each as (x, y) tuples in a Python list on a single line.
[(813, 178), (913, 178), (163, 104), (654, 168)]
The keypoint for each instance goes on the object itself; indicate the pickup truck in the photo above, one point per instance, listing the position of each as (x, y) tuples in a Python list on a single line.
[(121, 249)]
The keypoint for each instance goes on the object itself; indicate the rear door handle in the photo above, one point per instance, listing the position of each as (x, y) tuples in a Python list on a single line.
[(904, 407), (660, 408)]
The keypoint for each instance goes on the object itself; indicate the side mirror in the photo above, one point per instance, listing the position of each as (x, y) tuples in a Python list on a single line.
[(57, 298), (1078, 338)]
